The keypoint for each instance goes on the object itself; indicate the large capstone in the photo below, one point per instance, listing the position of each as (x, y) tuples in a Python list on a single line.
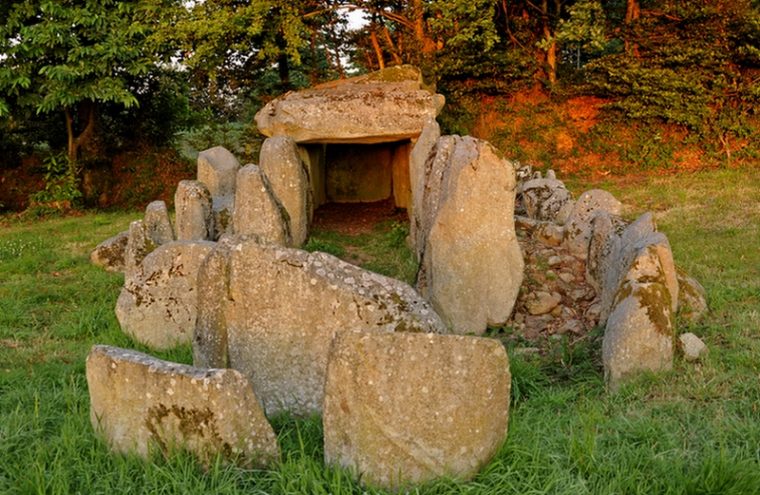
[(217, 169), (140, 403), (272, 312), (289, 180), (410, 408), (257, 210), (193, 208), (384, 106), (472, 266), (158, 303)]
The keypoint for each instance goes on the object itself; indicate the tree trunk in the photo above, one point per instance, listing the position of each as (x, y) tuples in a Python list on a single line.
[(76, 142), (551, 50), (632, 14), (376, 46)]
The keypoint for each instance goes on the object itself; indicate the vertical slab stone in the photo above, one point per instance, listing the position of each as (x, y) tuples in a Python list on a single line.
[(472, 267), (410, 408), (578, 224), (139, 245), (421, 152), (257, 210), (194, 216), (217, 169), (281, 309), (281, 163), (402, 191), (158, 305), (157, 223), (140, 403)]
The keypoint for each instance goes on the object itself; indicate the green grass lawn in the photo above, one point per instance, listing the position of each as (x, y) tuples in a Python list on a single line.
[(693, 430)]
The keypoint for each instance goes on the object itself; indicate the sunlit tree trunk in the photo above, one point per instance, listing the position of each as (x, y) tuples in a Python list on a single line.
[(632, 13)]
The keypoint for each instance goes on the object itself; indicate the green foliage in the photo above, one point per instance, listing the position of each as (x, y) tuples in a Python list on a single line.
[(61, 190)]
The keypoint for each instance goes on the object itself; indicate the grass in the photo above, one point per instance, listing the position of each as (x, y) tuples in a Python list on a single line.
[(695, 430)]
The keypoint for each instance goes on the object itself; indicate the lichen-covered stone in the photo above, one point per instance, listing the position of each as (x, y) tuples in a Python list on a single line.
[(546, 199), (409, 408), (217, 169), (257, 210), (384, 106), (140, 403), (282, 165), (110, 253), (158, 304), (692, 298), (639, 334), (578, 224), (139, 245), (606, 230), (472, 266), (158, 227), (281, 309), (194, 215)]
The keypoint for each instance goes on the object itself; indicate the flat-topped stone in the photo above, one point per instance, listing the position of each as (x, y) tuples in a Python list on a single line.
[(384, 106)]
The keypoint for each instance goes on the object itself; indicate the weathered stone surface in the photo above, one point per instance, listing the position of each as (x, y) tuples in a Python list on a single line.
[(139, 245), (217, 169), (541, 302), (109, 254), (193, 207), (606, 230), (640, 328), (472, 266), (257, 210), (410, 408), (289, 180), (139, 403), (544, 199), (692, 346), (158, 227), (421, 152), (158, 305), (578, 224), (280, 309), (692, 298), (384, 106)]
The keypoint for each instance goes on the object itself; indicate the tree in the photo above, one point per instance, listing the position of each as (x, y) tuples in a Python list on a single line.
[(72, 55)]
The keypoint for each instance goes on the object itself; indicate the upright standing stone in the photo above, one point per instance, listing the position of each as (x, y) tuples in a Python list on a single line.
[(192, 203), (546, 199), (578, 224), (281, 309), (158, 304), (410, 408), (110, 253), (472, 266), (139, 245), (257, 210), (418, 158), (217, 169), (139, 402), (157, 224), (281, 163)]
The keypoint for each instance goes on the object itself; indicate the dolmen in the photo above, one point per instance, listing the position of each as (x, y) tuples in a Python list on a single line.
[(408, 388)]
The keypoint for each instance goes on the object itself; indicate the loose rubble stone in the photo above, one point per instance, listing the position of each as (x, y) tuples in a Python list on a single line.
[(158, 304), (158, 227), (257, 210), (110, 253), (217, 169), (193, 208), (472, 266), (692, 346), (542, 302), (578, 225), (139, 403), (692, 298), (410, 408), (281, 309), (282, 165), (545, 198), (383, 106)]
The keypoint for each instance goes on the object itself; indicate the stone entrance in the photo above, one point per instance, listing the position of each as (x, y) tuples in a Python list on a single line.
[(359, 173)]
